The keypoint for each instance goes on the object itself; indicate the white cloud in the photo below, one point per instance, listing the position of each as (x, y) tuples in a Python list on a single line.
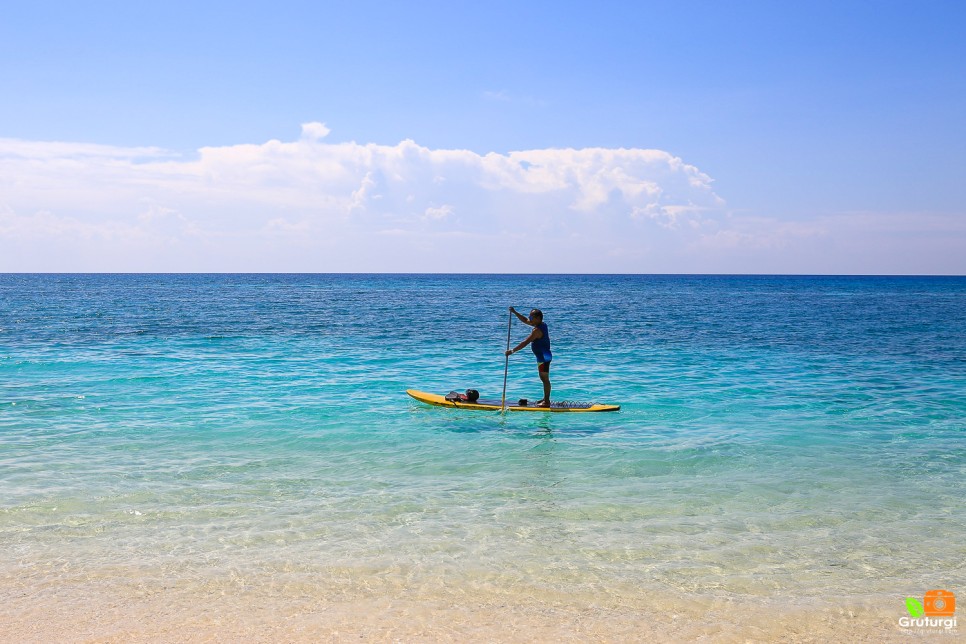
[(314, 131), (311, 205), (437, 214), (55, 150)]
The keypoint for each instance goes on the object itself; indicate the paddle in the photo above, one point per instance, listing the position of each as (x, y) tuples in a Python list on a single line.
[(506, 366)]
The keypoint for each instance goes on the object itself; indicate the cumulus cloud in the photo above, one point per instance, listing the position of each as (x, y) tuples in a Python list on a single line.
[(315, 205), (314, 131), (330, 201)]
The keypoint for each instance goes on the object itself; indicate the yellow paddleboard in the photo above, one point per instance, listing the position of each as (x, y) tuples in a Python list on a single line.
[(495, 405)]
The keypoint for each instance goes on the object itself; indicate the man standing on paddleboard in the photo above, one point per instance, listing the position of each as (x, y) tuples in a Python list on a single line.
[(539, 341)]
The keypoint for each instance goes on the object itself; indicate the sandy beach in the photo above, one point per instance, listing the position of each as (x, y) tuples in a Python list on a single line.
[(107, 610)]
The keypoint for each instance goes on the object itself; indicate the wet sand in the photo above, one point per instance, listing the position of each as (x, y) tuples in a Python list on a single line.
[(103, 611)]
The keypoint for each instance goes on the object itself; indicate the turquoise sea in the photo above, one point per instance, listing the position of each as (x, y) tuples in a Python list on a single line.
[(782, 440)]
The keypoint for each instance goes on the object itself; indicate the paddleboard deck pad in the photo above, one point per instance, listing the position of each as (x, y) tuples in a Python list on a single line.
[(490, 404)]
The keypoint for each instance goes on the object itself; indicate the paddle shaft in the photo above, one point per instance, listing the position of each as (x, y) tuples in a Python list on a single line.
[(506, 366)]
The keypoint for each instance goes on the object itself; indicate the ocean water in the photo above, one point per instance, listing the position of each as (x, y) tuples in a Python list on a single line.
[(781, 439)]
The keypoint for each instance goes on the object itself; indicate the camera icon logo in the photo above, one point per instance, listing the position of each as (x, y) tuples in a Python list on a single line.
[(939, 603), (936, 611)]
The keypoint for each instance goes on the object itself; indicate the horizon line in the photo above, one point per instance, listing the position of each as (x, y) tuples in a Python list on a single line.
[(481, 273)]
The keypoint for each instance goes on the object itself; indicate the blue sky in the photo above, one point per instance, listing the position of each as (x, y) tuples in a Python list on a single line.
[(822, 137)]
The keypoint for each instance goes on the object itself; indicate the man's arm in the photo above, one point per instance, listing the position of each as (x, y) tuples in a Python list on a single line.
[(536, 334), (521, 317)]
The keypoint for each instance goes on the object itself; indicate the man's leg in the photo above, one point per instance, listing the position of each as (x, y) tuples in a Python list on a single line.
[(544, 370)]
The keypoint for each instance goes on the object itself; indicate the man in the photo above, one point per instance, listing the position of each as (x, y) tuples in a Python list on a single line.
[(539, 341)]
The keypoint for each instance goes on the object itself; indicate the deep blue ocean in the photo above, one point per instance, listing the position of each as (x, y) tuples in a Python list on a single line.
[(780, 437)]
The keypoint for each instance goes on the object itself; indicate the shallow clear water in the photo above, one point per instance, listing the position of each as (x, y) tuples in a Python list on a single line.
[(779, 436)]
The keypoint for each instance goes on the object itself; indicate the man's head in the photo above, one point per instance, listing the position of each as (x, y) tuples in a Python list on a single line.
[(536, 315)]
